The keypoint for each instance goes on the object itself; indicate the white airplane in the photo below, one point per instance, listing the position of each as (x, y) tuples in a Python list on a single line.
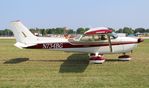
[(95, 42)]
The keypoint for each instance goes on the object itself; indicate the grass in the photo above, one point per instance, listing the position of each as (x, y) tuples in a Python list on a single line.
[(57, 69)]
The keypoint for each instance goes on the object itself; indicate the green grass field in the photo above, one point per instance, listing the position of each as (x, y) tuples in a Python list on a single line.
[(20, 68)]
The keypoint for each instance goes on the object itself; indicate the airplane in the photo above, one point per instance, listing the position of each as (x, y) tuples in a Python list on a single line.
[(96, 42)]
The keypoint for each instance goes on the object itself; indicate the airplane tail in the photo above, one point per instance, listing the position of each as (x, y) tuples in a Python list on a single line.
[(24, 37)]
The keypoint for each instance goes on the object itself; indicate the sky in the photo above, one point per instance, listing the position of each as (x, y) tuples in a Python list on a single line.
[(75, 13)]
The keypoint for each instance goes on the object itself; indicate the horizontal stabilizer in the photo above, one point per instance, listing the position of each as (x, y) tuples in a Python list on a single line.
[(22, 45)]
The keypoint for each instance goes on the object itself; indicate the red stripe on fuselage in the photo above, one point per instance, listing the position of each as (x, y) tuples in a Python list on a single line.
[(69, 45)]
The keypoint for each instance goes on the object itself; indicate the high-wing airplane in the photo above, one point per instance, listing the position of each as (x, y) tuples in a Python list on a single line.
[(95, 42)]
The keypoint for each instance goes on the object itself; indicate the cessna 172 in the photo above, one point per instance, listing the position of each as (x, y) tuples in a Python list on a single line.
[(95, 41)]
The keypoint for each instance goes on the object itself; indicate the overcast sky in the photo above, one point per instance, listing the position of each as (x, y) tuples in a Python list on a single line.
[(75, 13)]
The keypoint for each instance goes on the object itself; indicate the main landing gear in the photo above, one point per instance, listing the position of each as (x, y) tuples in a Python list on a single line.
[(124, 57), (96, 58)]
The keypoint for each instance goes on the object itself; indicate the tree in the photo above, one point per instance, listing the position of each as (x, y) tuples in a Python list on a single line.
[(86, 29), (49, 31), (6, 32), (128, 30), (59, 30), (119, 31), (33, 30), (43, 32), (1, 32), (70, 31), (112, 29), (147, 30), (140, 30), (80, 30)]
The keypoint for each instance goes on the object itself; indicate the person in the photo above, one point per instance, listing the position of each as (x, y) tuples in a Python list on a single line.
[(103, 37)]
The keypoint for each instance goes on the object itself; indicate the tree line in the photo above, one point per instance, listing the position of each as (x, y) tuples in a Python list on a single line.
[(44, 32)]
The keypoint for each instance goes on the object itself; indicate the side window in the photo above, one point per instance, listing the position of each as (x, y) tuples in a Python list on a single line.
[(103, 37), (87, 38), (94, 38), (100, 37)]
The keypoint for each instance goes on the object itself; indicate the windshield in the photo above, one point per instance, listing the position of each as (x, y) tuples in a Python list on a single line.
[(114, 35), (77, 38)]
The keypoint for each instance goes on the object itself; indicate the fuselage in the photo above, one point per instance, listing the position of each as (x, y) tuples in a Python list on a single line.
[(119, 45)]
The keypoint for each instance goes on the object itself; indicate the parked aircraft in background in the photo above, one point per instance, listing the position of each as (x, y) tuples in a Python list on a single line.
[(96, 42)]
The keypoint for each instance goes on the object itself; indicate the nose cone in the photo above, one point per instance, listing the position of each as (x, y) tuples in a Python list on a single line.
[(140, 40)]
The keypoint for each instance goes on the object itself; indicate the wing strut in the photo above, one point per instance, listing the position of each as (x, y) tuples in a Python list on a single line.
[(110, 44)]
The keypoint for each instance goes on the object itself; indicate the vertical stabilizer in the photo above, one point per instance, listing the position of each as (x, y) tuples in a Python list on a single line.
[(22, 34)]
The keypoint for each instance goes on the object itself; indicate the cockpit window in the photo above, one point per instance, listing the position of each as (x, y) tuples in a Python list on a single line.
[(94, 38), (103, 37), (86, 38)]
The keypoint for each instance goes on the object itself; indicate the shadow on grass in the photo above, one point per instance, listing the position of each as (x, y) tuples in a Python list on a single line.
[(75, 63), (47, 60), (115, 60), (16, 60)]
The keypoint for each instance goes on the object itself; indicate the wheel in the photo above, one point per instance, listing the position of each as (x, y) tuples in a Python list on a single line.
[(124, 58)]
